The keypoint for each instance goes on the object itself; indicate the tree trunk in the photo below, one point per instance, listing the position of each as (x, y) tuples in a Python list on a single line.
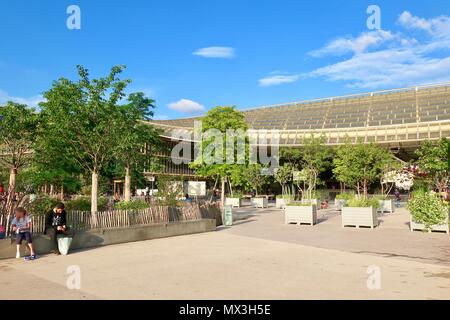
[(127, 191), (61, 194), (52, 189), (11, 190), (222, 200), (94, 192)]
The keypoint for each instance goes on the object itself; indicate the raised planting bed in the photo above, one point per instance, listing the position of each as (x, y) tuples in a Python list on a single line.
[(234, 202), (386, 206), (310, 201), (437, 228), (260, 202), (301, 214), (359, 217)]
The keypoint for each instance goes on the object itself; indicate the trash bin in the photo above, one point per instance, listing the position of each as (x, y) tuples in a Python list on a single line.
[(64, 243)]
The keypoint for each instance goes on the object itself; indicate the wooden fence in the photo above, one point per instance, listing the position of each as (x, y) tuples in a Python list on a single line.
[(85, 220)]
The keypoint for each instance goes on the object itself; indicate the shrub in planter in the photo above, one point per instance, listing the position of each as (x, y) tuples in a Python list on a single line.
[(428, 211), (260, 202), (234, 200), (360, 212), (300, 212), (131, 205)]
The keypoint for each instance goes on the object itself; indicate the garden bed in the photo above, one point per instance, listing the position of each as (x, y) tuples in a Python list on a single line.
[(359, 217), (301, 214)]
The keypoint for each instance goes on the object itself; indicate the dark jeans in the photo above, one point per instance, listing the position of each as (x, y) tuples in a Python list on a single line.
[(24, 236), (53, 234)]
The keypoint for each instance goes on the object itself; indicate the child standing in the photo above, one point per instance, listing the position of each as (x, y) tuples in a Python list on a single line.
[(21, 226)]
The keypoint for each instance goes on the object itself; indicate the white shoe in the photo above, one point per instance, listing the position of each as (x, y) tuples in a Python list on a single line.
[(17, 255)]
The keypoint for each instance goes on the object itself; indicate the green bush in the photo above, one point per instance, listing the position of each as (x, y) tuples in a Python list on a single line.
[(361, 202), (428, 208), (131, 205), (236, 194), (299, 204), (41, 205), (84, 204), (345, 196), (285, 196)]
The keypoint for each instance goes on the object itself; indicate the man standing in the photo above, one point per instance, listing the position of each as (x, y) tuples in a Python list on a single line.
[(56, 224)]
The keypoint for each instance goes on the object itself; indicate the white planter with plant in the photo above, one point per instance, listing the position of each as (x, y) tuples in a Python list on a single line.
[(360, 213), (260, 202), (234, 202), (300, 213), (310, 201), (428, 212), (386, 205)]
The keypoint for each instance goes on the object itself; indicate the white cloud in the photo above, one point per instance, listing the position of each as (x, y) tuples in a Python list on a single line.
[(278, 79), (215, 52), (186, 106), (350, 44), (383, 59), (32, 101)]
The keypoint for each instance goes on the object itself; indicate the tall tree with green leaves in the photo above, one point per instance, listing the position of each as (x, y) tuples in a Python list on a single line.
[(220, 120), (434, 159), (85, 117), (359, 164), (135, 135), (18, 126)]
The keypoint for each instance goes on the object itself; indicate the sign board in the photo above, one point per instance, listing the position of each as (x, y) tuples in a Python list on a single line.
[(196, 188), (228, 215)]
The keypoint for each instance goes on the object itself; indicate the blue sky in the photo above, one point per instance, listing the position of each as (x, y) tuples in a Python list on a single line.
[(193, 55)]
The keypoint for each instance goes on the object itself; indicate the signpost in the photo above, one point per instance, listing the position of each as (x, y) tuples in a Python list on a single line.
[(228, 215)]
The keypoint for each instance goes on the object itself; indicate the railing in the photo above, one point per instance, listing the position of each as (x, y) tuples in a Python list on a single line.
[(85, 220)]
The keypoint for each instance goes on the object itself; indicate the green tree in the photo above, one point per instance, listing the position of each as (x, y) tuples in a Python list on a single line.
[(359, 164), (434, 159), (220, 120), (135, 136), (86, 119), (18, 126), (283, 176)]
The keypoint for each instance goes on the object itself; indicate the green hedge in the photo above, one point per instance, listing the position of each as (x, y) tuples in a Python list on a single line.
[(428, 208), (84, 204), (131, 205)]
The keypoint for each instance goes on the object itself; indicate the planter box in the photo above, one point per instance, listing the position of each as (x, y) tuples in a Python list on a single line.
[(339, 203), (281, 203), (260, 202), (312, 201), (438, 227), (386, 206), (359, 217), (301, 214), (234, 202)]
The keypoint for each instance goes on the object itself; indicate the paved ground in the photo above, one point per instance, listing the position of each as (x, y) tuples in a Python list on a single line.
[(258, 258)]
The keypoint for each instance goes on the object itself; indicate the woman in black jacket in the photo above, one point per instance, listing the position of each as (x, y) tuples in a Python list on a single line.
[(56, 223)]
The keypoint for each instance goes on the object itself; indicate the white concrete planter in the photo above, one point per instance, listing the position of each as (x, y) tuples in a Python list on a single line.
[(359, 217), (260, 202), (438, 227), (339, 203), (311, 201), (386, 206), (280, 203), (301, 214), (234, 202)]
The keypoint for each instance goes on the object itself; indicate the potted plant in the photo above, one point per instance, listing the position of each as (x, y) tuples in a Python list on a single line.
[(282, 200), (360, 212), (300, 213), (428, 212), (260, 202), (341, 199), (234, 200), (385, 204)]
